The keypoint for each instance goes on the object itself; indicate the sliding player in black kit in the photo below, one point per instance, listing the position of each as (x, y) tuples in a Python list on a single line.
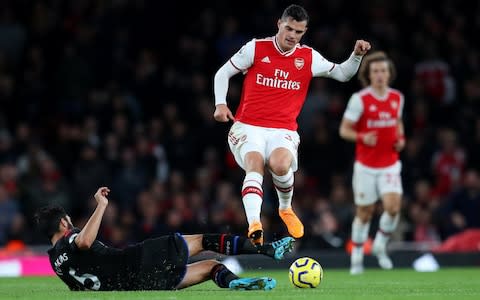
[(84, 263)]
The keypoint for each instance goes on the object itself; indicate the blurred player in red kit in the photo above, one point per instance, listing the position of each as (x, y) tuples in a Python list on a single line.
[(373, 121), (278, 71)]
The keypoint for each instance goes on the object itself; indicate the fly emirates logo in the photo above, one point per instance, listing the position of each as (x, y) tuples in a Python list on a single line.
[(386, 120), (279, 81)]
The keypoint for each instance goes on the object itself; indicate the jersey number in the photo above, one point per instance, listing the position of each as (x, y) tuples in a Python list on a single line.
[(89, 281)]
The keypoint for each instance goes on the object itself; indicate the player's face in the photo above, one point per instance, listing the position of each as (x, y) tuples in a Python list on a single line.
[(290, 33), (68, 222), (379, 74)]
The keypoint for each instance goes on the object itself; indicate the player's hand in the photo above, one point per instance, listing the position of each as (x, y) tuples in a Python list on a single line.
[(223, 114), (399, 144), (361, 47), (368, 138), (101, 195)]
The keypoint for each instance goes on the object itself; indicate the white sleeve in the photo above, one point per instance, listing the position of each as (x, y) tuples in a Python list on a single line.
[(239, 62), (243, 59), (344, 71), (320, 65), (220, 82), (354, 109), (400, 110)]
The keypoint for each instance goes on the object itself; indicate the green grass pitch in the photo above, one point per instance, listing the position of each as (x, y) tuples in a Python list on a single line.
[(448, 283)]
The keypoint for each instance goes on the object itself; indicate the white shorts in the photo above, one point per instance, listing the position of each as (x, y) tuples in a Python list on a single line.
[(369, 184), (244, 138)]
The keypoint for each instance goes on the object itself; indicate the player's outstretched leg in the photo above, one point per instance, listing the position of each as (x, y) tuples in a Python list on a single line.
[(224, 278), (277, 249), (234, 245), (260, 283)]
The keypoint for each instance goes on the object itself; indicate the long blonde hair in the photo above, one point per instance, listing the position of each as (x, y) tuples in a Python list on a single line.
[(364, 71)]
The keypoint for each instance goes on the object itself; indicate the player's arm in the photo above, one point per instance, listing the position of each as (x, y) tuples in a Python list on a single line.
[(87, 236), (240, 62), (401, 142), (341, 72), (351, 116), (349, 133), (347, 130), (220, 87)]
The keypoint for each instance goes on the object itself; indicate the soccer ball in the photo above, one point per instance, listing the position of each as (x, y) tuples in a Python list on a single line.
[(305, 272)]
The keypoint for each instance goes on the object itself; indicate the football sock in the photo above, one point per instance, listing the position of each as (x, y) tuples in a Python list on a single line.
[(222, 276), (232, 244), (284, 187), (252, 194), (387, 225), (359, 234)]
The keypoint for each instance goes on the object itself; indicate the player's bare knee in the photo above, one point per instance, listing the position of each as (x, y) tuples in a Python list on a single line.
[(280, 165), (254, 162), (280, 161), (194, 243), (211, 263), (392, 210), (392, 204), (365, 213)]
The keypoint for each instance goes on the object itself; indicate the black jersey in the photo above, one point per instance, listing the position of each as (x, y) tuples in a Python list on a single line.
[(154, 264), (100, 267)]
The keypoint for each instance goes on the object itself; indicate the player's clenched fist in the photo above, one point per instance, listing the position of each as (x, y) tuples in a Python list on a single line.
[(361, 47), (222, 113), (101, 195)]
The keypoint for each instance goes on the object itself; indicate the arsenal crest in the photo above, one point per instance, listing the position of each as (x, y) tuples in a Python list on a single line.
[(299, 62)]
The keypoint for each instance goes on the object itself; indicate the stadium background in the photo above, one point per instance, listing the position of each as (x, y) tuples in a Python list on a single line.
[(119, 93)]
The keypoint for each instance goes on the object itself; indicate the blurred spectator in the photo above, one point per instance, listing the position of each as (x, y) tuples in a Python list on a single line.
[(89, 172), (448, 163), (129, 180), (148, 223), (11, 219), (420, 212), (13, 35), (50, 187), (461, 209)]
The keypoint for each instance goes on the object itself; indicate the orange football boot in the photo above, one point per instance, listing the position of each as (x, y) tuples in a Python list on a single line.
[(294, 225), (255, 233)]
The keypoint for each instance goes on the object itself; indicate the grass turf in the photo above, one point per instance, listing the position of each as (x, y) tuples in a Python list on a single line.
[(448, 283)]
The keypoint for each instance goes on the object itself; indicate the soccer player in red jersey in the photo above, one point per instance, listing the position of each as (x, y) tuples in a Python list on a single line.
[(373, 121), (277, 72)]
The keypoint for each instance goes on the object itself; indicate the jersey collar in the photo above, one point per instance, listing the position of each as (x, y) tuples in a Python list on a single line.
[(284, 53), (379, 97)]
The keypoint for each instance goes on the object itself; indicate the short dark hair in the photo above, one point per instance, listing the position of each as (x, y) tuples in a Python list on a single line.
[(295, 12), (48, 219), (370, 58)]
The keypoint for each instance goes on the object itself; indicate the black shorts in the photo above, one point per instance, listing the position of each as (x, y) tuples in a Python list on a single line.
[(164, 263)]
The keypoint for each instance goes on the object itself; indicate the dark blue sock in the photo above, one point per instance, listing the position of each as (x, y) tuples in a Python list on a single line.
[(228, 244), (222, 276)]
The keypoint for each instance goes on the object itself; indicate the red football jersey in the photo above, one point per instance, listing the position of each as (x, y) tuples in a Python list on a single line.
[(275, 86), (382, 116)]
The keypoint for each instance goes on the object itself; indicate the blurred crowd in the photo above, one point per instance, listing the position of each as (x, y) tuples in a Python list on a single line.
[(119, 93)]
